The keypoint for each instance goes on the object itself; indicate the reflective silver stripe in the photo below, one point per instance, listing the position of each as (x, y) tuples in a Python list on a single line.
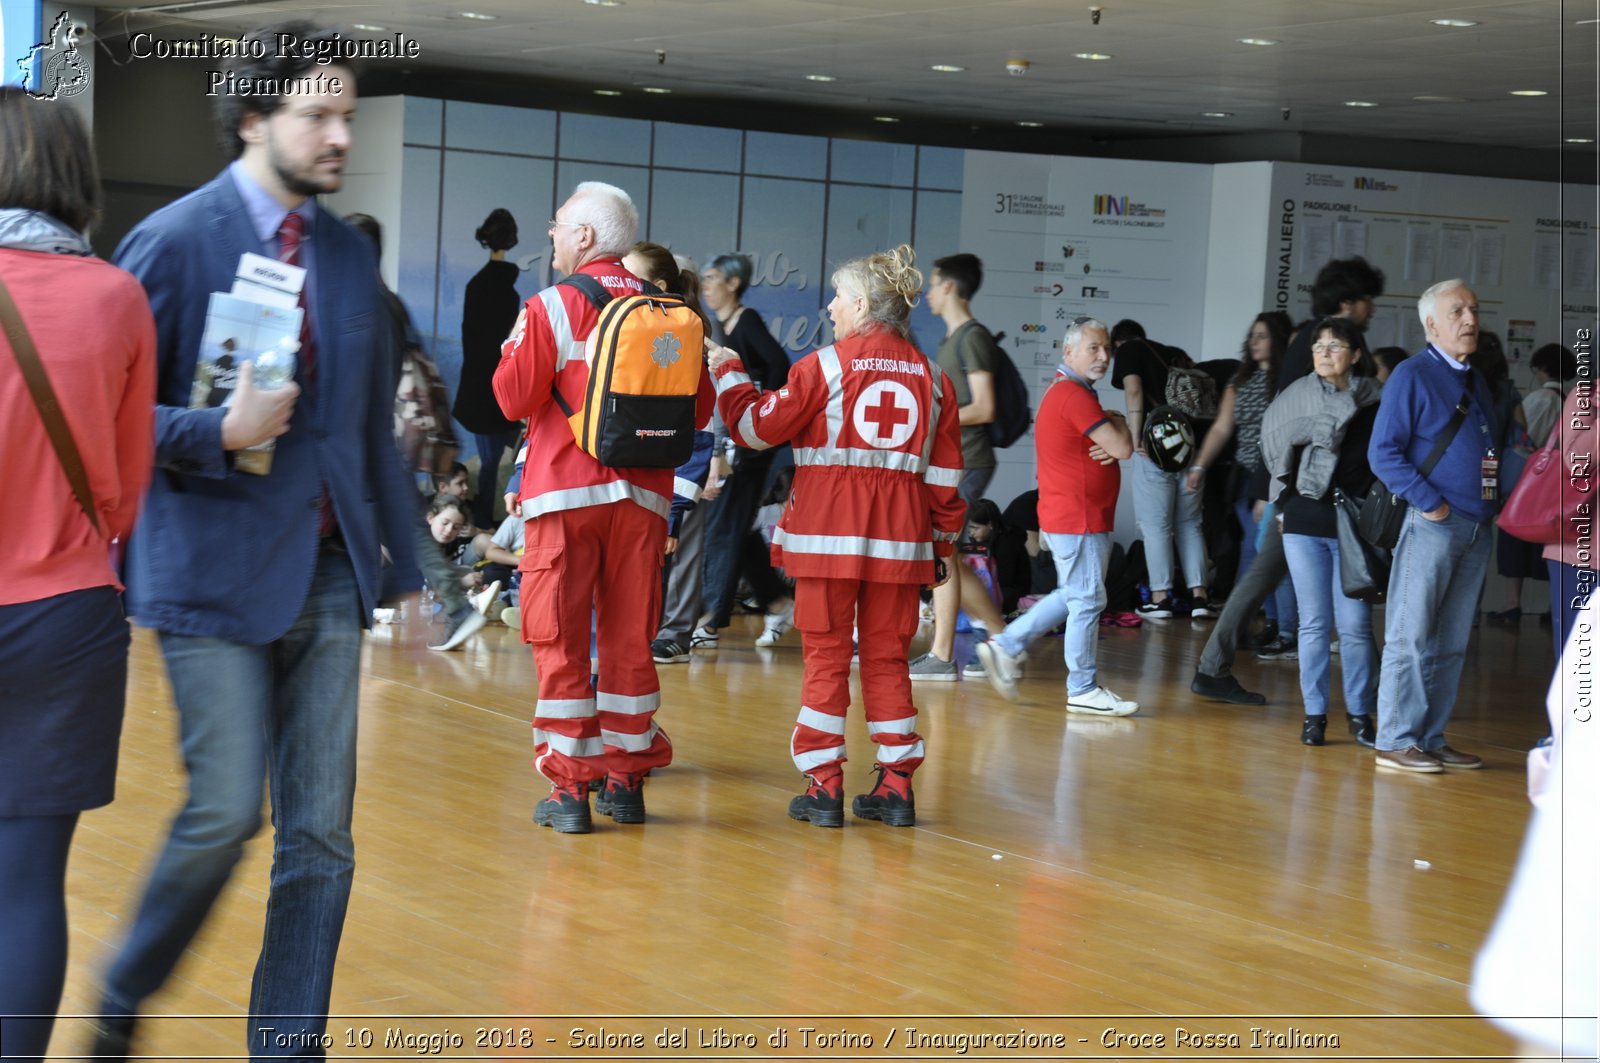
[(940, 476), (727, 380), (572, 747), (817, 758), (747, 429), (888, 754), (595, 495), (685, 488), (859, 457), (855, 545), (946, 537), (905, 726), (820, 721), (833, 379), (935, 400), (627, 704), (631, 742), (567, 347), (571, 709)]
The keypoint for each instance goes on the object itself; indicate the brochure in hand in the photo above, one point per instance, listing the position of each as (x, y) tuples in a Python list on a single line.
[(239, 331)]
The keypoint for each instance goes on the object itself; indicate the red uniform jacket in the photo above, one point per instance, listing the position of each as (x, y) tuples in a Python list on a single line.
[(546, 346), (877, 453)]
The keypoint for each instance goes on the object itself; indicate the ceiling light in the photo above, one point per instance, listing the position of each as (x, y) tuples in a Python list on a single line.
[(1262, 42), (884, 118), (603, 3), (367, 26), (657, 91), (607, 92), (947, 68), (1216, 114), (1359, 103), (1579, 140), (821, 77), (1453, 23), (476, 17), (1092, 55), (1529, 92), (1030, 125), (1440, 99)]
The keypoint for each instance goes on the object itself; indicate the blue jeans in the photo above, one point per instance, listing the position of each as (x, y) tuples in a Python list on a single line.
[(491, 448), (1280, 604), (1164, 507), (1079, 597), (1433, 594), (1314, 567), (283, 714)]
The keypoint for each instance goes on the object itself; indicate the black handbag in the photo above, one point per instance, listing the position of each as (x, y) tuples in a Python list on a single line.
[(1383, 513), (1363, 567)]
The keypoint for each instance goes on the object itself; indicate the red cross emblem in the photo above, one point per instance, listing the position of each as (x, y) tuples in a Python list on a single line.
[(886, 414)]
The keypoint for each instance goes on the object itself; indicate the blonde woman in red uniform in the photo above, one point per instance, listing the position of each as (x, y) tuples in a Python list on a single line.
[(873, 516)]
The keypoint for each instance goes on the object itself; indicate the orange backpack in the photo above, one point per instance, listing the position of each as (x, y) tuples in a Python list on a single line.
[(645, 359)]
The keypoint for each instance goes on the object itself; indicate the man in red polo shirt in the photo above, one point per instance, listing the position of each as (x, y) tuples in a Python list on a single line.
[(1078, 445)]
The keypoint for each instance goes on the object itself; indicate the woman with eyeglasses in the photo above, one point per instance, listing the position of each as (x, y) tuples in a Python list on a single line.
[(731, 545), (1239, 414), (1314, 440)]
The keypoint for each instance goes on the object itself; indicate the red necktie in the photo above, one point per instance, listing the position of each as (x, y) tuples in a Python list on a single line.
[(290, 234)]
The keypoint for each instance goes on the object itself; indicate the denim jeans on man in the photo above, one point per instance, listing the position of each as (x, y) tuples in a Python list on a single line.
[(1079, 597), (1314, 565), (283, 713), (1433, 594), (1163, 506)]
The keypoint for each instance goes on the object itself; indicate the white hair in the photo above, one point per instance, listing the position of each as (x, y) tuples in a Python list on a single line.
[(609, 211), (1078, 327), (1426, 300)]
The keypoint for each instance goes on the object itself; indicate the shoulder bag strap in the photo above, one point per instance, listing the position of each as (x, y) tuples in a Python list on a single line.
[(1443, 442), (44, 397)]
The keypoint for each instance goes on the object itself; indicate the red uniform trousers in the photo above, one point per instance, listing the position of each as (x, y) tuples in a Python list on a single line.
[(885, 615), (605, 559)]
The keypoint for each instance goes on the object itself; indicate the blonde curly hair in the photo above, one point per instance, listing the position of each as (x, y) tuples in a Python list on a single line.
[(889, 283)]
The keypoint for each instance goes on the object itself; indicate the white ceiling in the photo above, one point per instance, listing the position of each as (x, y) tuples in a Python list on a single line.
[(1173, 59)]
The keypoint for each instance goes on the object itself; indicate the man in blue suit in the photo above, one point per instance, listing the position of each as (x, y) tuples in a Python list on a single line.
[(259, 585)]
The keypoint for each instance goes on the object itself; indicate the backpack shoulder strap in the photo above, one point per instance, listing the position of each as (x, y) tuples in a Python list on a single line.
[(591, 288)]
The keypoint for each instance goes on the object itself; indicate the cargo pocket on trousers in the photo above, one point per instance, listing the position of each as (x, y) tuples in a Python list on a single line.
[(811, 612), (542, 595)]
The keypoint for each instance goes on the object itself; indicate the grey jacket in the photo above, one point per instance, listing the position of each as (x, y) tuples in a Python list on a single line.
[(1313, 413)]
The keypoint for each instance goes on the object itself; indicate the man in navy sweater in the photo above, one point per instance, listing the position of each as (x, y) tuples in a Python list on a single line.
[(1443, 552)]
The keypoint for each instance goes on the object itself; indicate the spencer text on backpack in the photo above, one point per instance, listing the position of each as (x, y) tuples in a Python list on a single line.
[(644, 377)]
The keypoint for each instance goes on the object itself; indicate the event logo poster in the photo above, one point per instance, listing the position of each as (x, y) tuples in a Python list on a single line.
[(54, 68)]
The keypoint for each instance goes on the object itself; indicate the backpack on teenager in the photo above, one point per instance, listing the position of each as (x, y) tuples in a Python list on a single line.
[(422, 426), (645, 361), (1190, 391), (1012, 411)]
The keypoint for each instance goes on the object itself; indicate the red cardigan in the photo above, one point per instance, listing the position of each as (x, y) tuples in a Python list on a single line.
[(92, 326)]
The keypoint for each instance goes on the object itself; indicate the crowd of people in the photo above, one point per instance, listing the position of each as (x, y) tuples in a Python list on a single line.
[(878, 454)]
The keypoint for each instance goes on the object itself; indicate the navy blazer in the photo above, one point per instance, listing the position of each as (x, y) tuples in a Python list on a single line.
[(229, 554)]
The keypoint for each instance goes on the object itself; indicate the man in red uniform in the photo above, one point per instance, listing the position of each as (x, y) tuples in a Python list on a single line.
[(873, 516), (1078, 446), (594, 537)]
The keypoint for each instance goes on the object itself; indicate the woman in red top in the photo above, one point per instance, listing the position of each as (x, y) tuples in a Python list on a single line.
[(63, 639), (873, 516)]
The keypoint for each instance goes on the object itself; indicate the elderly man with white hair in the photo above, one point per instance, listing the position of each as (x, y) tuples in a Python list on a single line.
[(1433, 446), (595, 534)]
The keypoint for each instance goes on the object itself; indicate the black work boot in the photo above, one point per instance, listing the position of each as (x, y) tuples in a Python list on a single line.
[(621, 798), (566, 810), (822, 805), (890, 800)]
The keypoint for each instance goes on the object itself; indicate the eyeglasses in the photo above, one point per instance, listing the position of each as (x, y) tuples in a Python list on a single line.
[(554, 224), (1330, 348)]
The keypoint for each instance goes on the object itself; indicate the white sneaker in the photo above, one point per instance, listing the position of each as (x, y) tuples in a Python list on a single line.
[(704, 638), (1001, 669), (1101, 702), (385, 616), (775, 625), (485, 598), (470, 625)]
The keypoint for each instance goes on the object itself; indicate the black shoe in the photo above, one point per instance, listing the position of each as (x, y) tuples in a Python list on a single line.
[(1364, 730), (1224, 688), (1282, 648), (890, 801), (113, 1038), (1315, 731), (622, 798), (566, 809), (822, 805)]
